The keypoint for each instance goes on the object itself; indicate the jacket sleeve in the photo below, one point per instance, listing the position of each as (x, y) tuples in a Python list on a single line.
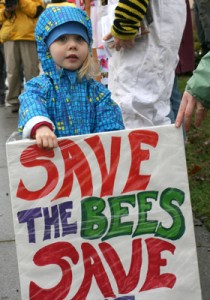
[(199, 84), (30, 7), (107, 112), (127, 19), (33, 105)]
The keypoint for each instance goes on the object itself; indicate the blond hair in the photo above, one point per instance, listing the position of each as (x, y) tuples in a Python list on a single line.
[(89, 69)]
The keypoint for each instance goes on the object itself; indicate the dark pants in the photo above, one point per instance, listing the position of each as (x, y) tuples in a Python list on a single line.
[(202, 19), (2, 75)]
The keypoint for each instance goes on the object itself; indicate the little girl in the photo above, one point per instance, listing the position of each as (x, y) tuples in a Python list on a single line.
[(65, 100)]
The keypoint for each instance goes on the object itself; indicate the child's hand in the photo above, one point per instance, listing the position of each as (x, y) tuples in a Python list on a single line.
[(46, 138)]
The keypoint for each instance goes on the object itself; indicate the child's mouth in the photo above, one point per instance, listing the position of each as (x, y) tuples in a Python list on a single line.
[(72, 57)]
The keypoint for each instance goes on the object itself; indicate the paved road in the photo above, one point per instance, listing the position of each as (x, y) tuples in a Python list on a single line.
[(9, 282)]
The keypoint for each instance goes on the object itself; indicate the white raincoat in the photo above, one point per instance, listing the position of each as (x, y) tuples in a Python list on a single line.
[(141, 78)]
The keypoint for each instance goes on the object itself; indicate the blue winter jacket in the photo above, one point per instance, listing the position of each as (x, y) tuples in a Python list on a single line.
[(73, 107)]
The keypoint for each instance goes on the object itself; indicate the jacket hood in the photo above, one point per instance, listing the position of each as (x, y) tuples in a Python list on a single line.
[(51, 18)]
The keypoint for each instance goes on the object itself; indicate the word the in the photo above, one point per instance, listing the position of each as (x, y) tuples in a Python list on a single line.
[(59, 214)]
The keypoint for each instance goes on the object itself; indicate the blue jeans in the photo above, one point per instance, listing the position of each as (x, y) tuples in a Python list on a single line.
[(175, 103)]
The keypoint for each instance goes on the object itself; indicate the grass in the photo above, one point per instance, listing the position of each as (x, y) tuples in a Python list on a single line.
[(198, 164)]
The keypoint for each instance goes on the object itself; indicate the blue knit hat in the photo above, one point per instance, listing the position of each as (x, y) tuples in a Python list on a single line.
[(68, 28)]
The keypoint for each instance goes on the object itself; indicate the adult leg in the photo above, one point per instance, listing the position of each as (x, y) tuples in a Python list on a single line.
[(204, 15), (29, 58), (2, 76), (13, 62), (199, 27)]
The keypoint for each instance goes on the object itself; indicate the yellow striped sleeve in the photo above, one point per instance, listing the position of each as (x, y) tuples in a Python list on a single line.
[(128, 16)]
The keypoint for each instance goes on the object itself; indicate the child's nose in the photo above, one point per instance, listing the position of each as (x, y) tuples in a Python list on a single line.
[(72, 43)]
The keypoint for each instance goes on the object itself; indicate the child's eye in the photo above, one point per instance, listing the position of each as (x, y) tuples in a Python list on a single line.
[(79, 39), (62, 38)]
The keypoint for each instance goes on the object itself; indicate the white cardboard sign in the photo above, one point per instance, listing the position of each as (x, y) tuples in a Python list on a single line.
[(104, 216)]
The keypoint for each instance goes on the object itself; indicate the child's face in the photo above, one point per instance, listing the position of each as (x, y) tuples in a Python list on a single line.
[(69, 51)]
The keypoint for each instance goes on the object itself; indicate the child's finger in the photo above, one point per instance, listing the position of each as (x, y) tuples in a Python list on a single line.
[(55, 142), (46, 142), (39, 141), (52, 142)]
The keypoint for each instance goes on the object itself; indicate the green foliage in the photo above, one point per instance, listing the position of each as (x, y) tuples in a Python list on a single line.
[(198, 162), (182, 81), (198, 158)]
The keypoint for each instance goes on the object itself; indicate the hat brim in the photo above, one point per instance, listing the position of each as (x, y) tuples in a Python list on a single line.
[(67, 28)]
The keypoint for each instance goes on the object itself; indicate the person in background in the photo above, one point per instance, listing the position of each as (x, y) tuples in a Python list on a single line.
[(18, 19), (196, 98), (2, 76), (202, 20), (141, 70), (185, 65), (65, 100)]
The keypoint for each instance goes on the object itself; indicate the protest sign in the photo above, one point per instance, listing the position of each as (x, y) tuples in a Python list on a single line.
[(104, 216)]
